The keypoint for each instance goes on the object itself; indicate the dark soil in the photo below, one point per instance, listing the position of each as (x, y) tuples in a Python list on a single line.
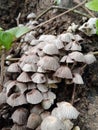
[(87, 95)]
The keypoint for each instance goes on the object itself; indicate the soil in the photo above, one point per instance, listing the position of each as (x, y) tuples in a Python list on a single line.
[(87, 95)]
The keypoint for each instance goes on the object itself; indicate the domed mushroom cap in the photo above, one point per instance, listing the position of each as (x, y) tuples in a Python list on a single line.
[(29, 67), (77, 79), (18, 127), (23, 77), (42, 87), (89, 58), (48, 63), (14, 68), (63, 72), (50, 49), (59, 44), (20, 116), (38, 78), (37, 109), (66, 59), (16, 99), (31, 16), (77, 56), (34, 97), (68, 124), (65, 111), (34, 121), (52, 123), (67, 37), (47, 103), (47, 38)]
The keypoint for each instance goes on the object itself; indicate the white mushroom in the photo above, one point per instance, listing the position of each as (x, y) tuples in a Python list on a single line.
[(89, 58), (52, 123), (77, 79), (20, 116), (34, 97), (23, 77), (64, 111), (31, 16), (14, 68), (18, 127), (34, 120)]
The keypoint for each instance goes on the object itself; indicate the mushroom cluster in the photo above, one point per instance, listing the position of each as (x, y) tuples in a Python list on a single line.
[(44, 63)]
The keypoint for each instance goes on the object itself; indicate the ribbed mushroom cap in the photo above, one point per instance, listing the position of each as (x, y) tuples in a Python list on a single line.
[(77, 56), (34, 42), (47, 103), (66, 59), (65, 111), (78, 38), (52, 123), (89, 58), (18, 127), (63, 72), (45, 114), (77, 79), (47, 38), (21, 87), (23, 77), (20, 116), (59, 44), (67, 37), (29, 67), (41, 70), (38, 78), (34, 120), (48, 63), (42, 87), (49, 95), (37, 109), (68, 124), (16, 99), (50, 49), (14, 68), (73, 46), (34, 97)]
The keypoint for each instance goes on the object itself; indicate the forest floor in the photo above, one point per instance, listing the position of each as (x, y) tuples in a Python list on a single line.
[(87, 95)]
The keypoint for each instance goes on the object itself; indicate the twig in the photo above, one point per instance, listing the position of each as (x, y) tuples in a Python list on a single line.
[(2, 66), (61, 8), (17, 19)]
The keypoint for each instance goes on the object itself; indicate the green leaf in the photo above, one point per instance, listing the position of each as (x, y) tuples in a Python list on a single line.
[(18, 31), (97, 27), (92, 5), (6, 39)]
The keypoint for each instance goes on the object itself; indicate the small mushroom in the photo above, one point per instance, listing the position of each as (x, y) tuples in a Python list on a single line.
[(76, 128), (42, 87), (38, 78), (77, 79), (89, 58), (23, 77), (29, 67), (20, 116), (48, 63), (16, 99), (14, 68), (50, 49), (68, 124), (47, 38), (52, 123), (31, 16), (65, 110), (45, 114), (63, 72), (37, 109), (34, 97), (34, 120), (18, 127)]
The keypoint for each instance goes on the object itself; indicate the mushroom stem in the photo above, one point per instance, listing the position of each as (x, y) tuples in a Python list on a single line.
[(73, 94)]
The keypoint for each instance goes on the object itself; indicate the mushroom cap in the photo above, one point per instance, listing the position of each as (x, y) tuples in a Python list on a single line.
[(65, 111), (42, 87), (16, 99), (18, 127), (89, 58), (77, 79), (14, 68), (63, 72), (59, 44), (46, 104), (31, 16), (77, 56), (45, 114), (52, 123), (23, 77), (48, 63), (68, 124), (47, 38), (67, 37), (29, 67), (20, 116), (37, 109), (38, 78), (34, 96), (2, 97), (66, 59), (34, 120), (50, 49)]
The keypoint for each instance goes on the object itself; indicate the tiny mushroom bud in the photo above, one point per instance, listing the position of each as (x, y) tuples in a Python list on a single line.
[(52, 123), (76, 128), (34, 97), (34, 120)]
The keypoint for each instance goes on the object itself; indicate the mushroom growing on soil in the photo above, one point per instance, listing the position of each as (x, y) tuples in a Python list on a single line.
[(65, 110), (52, 123)]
